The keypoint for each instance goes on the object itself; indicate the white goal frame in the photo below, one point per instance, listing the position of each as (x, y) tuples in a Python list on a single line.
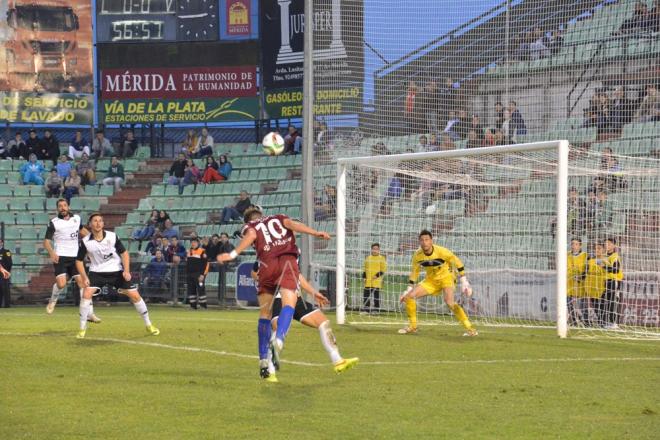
[(562, 149)]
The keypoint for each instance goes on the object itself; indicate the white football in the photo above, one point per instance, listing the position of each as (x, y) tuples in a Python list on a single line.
[(273, 144), (430, 210)]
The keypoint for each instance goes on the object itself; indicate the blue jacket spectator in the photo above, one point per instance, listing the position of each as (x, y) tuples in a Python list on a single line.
[(170, 231), (156, 274), (175, 251), (31, 171), (225, 167), (63, 167)]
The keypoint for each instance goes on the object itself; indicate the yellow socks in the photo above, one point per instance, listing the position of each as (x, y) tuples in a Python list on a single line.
[(411, 311), (460, 315)]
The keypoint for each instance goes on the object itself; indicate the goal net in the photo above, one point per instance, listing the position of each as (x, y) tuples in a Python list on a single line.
[(499, 209), (394, 77)]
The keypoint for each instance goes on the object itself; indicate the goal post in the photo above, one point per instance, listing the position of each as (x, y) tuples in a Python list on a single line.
[(411, 164)]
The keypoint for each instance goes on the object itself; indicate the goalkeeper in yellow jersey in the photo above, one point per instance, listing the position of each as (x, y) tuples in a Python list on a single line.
[(439, 264)]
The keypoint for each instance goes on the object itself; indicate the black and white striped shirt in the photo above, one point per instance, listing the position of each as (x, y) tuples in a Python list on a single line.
[(103, 254)]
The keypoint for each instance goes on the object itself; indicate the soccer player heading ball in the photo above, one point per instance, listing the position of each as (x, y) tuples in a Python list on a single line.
[(439, 264), (274, 240)]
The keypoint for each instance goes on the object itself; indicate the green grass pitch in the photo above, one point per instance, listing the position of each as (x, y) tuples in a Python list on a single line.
[(199, 380)]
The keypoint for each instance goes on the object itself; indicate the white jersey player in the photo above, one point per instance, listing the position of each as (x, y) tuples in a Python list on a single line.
[(64, 231), (109, 266)]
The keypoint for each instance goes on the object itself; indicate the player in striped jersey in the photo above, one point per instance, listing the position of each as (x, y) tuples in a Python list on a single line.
[(65, 231)]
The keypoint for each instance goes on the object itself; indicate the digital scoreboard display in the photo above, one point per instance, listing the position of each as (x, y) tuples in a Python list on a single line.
[(131, 21)]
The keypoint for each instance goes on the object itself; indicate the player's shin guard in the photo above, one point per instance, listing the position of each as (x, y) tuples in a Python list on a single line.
[(460, 315), (263, 330), (411, 311), (284, 322), (85, 306), (329, 342), (141, 308)]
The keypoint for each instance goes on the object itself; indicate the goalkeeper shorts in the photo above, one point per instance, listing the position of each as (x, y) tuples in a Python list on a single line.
[(436, 286)]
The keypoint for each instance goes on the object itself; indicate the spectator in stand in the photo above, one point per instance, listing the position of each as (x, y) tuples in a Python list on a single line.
[(489, 137), (473, 140), (178, 172), (211, 171), (86, 170), (156, 274), (16, 146), (537, 47), (462, 126), (4, 150), (430, 102), (115, 174), (649, 110), (641, 21), (235, 212), (213, 247), (54, 185), (149, 227), (63, 166), (446, 99), (31, 171), (508, 129), (326, 204), (499, 114), (475, 124), (293, 141), (204, 146), (395, 191), (154, 243), (446, 143), (175, 251), (410, 107), (614, 178), (654, 16), (224, 167), (170, 231), (423, 144), (189, 143), (434, 144), (225, 246), (128, 146), (554, 42), (72, 185), (517, 119), (450, 127), (33, 144), (78, 146), (621, 109), (49, 147), (101, 147), (576, 212), (163, 216), (191, 176)]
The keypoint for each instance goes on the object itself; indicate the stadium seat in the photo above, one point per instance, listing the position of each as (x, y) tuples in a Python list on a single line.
[(22, 191)]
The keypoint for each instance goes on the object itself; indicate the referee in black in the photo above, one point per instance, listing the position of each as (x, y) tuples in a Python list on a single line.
[(6, 264)]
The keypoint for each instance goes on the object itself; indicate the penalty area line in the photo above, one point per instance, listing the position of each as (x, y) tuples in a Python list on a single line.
[(373, 363)]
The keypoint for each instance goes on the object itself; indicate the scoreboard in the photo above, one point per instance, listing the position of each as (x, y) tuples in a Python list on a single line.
[(121, 21)]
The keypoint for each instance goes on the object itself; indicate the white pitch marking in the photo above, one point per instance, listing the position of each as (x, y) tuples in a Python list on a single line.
[(375, 363)]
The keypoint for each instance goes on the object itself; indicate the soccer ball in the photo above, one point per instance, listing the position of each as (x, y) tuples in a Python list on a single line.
[(273, 144)]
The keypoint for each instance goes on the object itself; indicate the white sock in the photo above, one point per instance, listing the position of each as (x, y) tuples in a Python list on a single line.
[(85, 305), (329, 342), (91, 303), (141, 308), (55, 293)]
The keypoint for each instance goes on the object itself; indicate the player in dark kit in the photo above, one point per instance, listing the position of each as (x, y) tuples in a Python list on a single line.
[(274, 240)]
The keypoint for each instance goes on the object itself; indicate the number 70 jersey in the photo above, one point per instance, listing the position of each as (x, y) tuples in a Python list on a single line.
[(273, 239)]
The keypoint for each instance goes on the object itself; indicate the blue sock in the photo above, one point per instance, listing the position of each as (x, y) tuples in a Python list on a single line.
[(284, 322), (263, 329)]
